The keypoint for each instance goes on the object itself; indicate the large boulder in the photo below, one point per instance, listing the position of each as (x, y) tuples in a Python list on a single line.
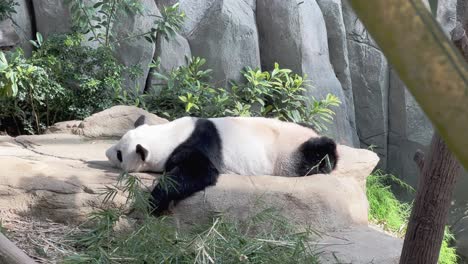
[(57, 174), (23, 23), (226, 36), (173, 53), (51, 16), (58, 177), (112, 122), (293, 33), (325, 202), (136, 51), (409, 130), (359, 245), (8, 36), (338, 49), (369, 76), (61, 177), (447, 15)]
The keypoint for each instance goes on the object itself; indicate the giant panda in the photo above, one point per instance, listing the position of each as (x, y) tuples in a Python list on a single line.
[(194, 151)]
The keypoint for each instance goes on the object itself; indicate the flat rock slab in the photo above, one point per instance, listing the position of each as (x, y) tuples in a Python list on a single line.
[(61, 176), (359, 245)]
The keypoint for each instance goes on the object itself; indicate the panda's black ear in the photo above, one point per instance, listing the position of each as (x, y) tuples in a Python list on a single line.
[(140, 150), (140, 121)]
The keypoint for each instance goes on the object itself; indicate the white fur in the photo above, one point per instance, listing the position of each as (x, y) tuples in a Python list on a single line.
[(259, 146), (251, 145)]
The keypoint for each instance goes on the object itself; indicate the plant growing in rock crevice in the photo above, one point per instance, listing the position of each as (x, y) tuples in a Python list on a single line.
[(101, 18)]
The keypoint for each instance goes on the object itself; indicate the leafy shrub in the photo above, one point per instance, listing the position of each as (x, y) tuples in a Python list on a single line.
[(91, 75), (264, 237), (278, 94), (29, 97), (100, 18), (62, 80), (392, 215)]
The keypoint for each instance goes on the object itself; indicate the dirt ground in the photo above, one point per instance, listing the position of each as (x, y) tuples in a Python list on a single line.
[(43, 240)]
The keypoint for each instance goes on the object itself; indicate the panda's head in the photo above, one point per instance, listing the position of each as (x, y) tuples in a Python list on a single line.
[(131, 153)]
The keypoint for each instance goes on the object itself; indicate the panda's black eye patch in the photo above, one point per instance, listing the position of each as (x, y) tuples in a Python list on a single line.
[(119, 155)]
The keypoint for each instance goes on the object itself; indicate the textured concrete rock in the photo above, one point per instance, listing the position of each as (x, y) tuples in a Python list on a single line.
[(8, 36), (447, 15), (226, 36), (409, 130), (293, 33), (138, 51), (338, 50), (114, 122), (51, 16), (359, 245), (369, 75), (60, 176), (173, 53), (65, 127), (195, 11), (326, 202), (23, 19)]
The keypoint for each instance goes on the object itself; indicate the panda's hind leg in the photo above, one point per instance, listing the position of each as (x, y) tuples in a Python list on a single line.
[(316, 155)]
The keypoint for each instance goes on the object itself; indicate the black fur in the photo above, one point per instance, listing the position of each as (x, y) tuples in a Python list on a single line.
[(140, 150), (193, 166), (316, 155), (140, 121)]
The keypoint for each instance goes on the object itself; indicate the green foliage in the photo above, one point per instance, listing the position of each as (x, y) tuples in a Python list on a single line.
[(101, 18), (90, 75), (448, 254), (384, 208), (29, 95), (7, 7), (264, 237), (170, 21), (392, 215), (278, 94), (63, 80)]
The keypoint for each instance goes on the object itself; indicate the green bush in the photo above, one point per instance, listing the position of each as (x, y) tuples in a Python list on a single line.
[(63, 80), (29, 98), (392, 215), (279, 94)]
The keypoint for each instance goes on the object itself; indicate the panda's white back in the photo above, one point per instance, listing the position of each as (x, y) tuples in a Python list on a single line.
[(259, 146)]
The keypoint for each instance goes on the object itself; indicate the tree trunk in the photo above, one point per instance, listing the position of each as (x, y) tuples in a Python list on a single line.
[(11, 254), (429, 215)]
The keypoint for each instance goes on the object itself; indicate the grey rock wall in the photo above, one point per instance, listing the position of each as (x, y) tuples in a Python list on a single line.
[(338, 51), (369, 76), (23, 24), (294, 34), (226, 36), (136, 51), (51, 16)]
